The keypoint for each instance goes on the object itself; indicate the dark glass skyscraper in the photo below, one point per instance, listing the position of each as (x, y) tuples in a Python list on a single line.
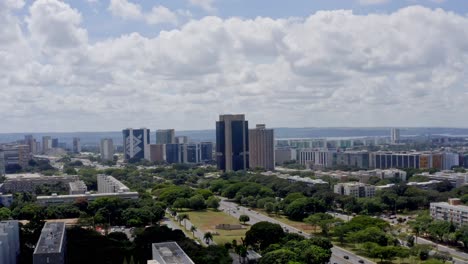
[(136, 143), (232, 143), (206, 151), (173, 153)]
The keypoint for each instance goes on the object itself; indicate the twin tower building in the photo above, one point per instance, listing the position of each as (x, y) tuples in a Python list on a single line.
[(237, 146), (240, 148)]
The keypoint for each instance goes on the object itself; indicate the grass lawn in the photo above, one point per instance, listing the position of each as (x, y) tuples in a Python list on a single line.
[(207, 220), (306, 228)]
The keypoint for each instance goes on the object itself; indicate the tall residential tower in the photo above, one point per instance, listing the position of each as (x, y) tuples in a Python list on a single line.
[(107, 149), (232, 143)]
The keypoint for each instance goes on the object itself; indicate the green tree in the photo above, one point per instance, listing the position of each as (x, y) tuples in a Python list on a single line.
[(182, 217), (212, 202), (208, 237), (315, 254), (5, 213), (263, 234), (280, 256), (244, 218), (197, 202), (180, 203), (193, 229)]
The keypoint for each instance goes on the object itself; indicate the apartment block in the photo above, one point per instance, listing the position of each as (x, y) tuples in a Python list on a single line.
[(451, 211), (51, 247), (356, 189), (109, 184), (77, 187)]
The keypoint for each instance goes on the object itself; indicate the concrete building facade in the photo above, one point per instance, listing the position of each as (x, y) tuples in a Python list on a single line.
[(395, 135), (107, 149), (451, 211), (46, 144), (165, 136), (356, 189), (262, 147), (51, 247), (109, 184), (76, 145)]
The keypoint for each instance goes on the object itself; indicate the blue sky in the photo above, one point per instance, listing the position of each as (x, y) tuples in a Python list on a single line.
[(103, 65), (101, 24)]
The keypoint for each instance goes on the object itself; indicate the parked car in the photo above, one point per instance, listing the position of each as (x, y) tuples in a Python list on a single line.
[(346, 257)]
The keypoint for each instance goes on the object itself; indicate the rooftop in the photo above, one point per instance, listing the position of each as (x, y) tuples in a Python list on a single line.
[(170, 253), (51, 239)]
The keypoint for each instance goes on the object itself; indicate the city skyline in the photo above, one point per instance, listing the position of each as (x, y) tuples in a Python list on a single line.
[(323, 64)]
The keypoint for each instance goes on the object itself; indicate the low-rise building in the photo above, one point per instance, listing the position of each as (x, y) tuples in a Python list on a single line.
[(55, 199), (6, 199), (9, 241), (169, 253), (28, 182), (356, 189), (51, 245), (109, 184), (77, 187), (457, 179), (453, 211)]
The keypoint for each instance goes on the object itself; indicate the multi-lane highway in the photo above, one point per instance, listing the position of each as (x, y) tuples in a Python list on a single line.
[(339, 255)]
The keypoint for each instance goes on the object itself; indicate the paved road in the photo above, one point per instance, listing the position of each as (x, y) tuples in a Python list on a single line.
[(451, 251), (338, 254)]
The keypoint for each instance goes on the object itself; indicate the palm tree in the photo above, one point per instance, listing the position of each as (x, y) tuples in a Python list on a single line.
[(208, 237), (193, 229)]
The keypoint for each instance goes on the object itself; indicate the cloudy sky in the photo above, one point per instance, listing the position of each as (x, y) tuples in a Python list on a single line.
[(103, 65)]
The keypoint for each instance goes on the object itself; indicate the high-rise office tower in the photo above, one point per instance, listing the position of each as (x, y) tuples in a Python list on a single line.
[(181, 140), (31, 142), (165, 136), (173, 153), (136, 143), (206, 151), (76, 145), (2, 162), (262, 148), (107, 149), (157, 152), (232, 143), (55, 143), (46, 144), (395, 135)]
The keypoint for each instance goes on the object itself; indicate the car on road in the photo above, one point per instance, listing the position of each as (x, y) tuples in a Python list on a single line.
[(345, 257), (361, 261)]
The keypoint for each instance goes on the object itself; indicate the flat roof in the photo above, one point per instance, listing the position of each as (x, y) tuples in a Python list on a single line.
[(170, 253), (51, 239)]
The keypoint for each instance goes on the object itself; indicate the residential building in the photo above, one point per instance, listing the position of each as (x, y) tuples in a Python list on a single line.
[(136, 144), (356, 189), (55, 199), (51, 247), (261, 148), (453, 211), (107, 149), (157, 152), (76, 145), (9, 242), (206, 151), (364, 175), (16, 154), (457, 179), (395, 135), (109, 184), (46, 144), (450, 160), (77, 187), (232, 143), (169, 253), (165, 136), (28, 182)]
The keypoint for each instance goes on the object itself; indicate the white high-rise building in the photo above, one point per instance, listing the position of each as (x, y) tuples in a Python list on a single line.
[(395, 135), (107, 149), (46, 144)]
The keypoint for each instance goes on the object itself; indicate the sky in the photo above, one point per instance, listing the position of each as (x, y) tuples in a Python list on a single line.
[(105, 65)]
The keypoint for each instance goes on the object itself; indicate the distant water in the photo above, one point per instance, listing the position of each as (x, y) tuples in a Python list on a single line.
[(93, 138)]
